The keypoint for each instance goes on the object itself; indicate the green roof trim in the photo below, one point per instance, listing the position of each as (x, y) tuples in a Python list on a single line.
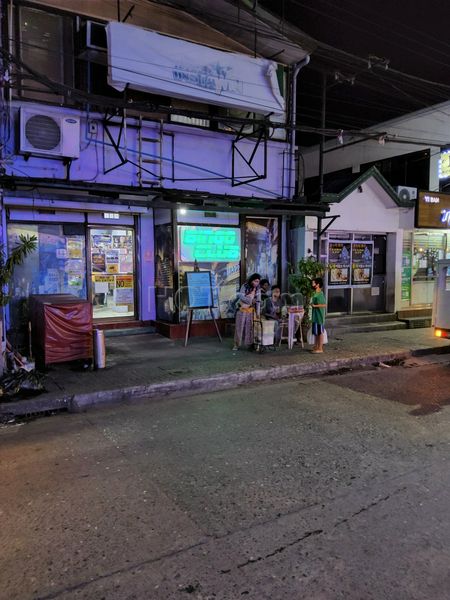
[(375, 173)]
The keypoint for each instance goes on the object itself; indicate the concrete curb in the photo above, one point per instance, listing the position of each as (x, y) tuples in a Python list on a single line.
[(184, 387)]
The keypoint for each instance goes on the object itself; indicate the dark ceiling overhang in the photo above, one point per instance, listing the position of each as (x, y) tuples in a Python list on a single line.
[(256, 28), (160, 198)]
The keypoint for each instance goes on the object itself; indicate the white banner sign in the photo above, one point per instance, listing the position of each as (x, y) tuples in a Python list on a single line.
[(159, 64)]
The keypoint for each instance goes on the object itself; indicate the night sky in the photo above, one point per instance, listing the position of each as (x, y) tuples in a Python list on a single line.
[(412, 34)]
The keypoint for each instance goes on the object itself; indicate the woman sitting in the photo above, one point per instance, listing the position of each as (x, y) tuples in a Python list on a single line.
[(249, 304), (273, 309)]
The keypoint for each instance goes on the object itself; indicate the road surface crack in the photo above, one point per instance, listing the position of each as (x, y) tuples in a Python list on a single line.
[(279, 550)]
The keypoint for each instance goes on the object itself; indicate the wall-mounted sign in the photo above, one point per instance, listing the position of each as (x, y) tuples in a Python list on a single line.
[(433, 210), (444, 164), (362, 263), (209, 244), (339, 262), (406, 274)]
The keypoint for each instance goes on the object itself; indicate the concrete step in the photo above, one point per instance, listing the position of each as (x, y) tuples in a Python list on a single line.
[(348, 320), (417, 322), (128, 331), (334, 331), (408, 313)]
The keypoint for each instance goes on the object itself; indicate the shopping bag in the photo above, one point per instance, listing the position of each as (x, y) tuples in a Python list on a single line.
[(311, 339)]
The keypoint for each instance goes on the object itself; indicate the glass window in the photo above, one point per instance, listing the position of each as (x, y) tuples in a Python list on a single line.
[(45, 45), (428, 248), (112, 269), (58, 266)]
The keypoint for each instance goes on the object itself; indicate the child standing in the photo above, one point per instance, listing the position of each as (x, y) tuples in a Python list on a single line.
[(319, 304)]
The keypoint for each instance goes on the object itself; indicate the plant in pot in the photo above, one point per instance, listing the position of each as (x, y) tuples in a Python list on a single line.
[(25, 246), (301, 282)]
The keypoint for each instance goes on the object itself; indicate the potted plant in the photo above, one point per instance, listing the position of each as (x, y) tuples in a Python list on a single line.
[(301, 282), (25, 246)]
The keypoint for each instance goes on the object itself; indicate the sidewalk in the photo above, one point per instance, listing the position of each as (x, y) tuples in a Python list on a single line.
[(151, 366)]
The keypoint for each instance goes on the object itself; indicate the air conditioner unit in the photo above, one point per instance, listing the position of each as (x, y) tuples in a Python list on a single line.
[(406, 193), (91, 42), (43, 133)]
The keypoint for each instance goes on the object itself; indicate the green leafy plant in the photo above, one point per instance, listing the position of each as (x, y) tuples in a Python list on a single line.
[(301, 281), (27, 245)]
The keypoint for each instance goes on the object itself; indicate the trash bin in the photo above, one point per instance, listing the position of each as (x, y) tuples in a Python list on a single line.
[(99, 349)]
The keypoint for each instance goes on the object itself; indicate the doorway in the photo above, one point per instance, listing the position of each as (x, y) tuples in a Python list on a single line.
[(371, 298), (112, 266)]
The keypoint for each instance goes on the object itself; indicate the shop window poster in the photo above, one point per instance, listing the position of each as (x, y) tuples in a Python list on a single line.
[(362, 263), (122, 241), (261, 238), (339, 261), (101, 240), (98, 262), (75, 249)]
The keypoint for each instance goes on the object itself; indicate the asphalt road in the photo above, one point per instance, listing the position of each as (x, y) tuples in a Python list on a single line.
[(311, 489)]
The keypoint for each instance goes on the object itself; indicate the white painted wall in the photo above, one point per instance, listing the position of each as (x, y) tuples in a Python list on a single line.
[(372, 211), (429, 129)]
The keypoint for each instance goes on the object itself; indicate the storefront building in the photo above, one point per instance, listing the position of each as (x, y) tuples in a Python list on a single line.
[(363, 246), (131, 173), (427, 243)]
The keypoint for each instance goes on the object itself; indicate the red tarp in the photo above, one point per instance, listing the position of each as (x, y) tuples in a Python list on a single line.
[(61, 327)]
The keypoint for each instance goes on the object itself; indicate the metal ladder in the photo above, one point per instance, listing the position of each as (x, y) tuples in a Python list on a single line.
[(143, 160)]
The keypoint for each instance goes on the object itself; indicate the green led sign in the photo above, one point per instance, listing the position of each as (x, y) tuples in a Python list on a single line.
[(209, 244)]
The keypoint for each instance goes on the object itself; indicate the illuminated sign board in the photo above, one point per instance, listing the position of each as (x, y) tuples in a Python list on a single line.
[(444, 164), (209, 244), (433, 210)]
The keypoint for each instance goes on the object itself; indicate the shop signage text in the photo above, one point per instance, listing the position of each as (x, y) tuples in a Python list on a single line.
[(433, 210)]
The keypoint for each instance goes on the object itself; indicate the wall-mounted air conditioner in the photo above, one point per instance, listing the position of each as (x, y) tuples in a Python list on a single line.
[(406, 193), (91, 42), (45, 133)]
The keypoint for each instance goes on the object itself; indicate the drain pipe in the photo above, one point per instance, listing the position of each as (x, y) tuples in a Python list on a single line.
[(293, 122)]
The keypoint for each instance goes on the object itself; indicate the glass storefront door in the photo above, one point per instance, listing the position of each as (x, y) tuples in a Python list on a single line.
[(112, 265)]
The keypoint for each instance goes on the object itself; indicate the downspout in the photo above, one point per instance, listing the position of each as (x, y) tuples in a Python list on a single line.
[(293, 122), (285, 235)]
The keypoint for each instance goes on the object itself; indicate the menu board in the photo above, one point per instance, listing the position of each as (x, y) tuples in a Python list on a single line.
[(362, 263), (339, 263), (199, 289)]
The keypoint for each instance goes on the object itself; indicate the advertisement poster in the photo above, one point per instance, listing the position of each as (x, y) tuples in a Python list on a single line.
[(104, 278), (125, 263), (112, 257), (339, 261), (75, 248), (112, 268), (122, 241), (124, 281), (124, 296), (406, 275), (101, 240), (362, 263), (75, 279), (98, 262)]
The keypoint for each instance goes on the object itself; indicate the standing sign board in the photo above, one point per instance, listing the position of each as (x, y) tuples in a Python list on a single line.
[(199, 295), (199, 290), (339, 262)]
